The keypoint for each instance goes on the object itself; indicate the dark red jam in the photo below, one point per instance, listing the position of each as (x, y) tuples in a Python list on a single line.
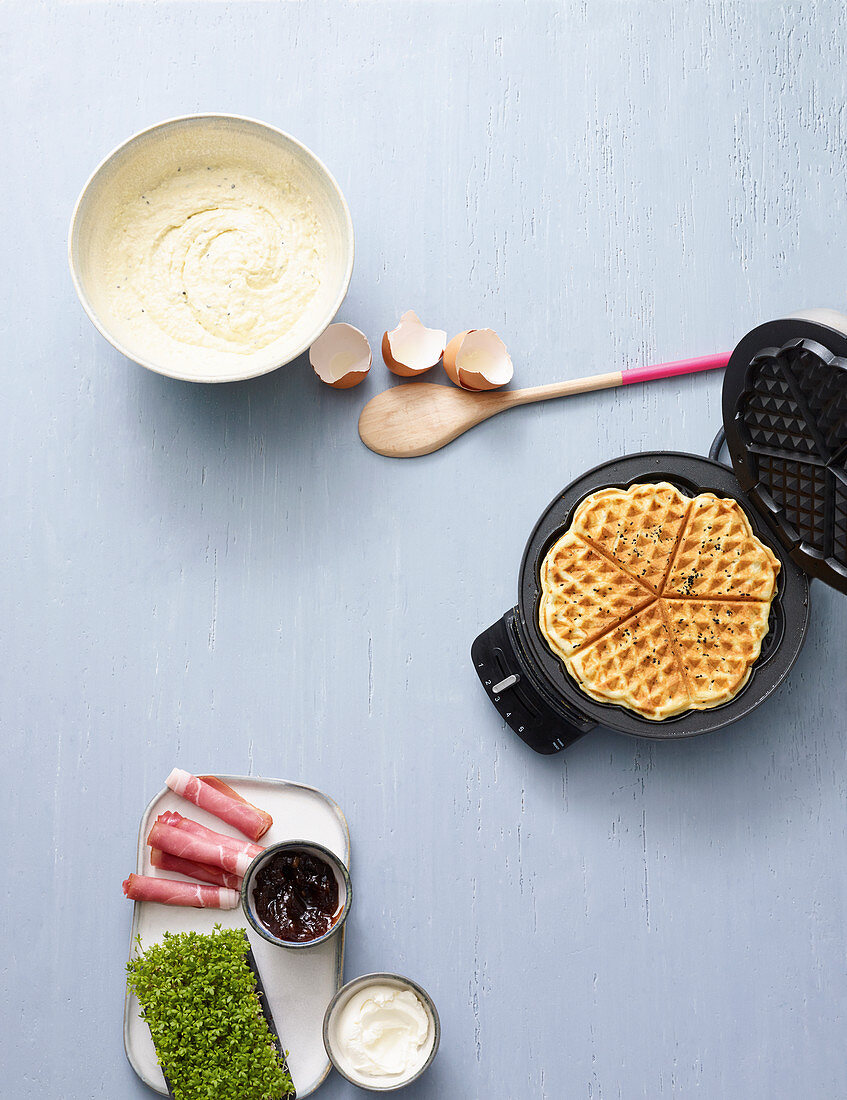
[(296, 896)]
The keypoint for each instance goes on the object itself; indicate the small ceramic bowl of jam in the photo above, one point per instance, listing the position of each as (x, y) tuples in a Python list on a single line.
[(296, 893)]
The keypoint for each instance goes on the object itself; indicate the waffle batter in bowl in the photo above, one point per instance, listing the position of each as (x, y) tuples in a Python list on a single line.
[(211, 248), (658, 602), (217, 256)]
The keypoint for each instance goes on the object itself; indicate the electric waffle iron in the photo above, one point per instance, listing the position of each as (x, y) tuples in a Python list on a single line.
[(785, 424)]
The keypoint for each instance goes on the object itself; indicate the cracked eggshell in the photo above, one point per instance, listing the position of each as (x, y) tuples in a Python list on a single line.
[(341, 356), (412, 348), (478, 360)]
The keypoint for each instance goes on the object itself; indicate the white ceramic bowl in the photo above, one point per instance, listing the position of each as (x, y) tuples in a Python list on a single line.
[(151, 156)]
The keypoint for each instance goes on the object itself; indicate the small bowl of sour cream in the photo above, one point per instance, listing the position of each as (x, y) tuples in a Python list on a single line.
[(381, 1031), (211, 248)]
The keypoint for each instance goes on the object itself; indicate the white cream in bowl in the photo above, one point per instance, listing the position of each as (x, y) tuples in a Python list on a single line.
[(381, 1031), (221, 257), (211, 248)]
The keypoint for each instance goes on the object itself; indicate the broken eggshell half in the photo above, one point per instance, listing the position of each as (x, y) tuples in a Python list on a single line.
[(341, 356), (478, 360), (412, 348)]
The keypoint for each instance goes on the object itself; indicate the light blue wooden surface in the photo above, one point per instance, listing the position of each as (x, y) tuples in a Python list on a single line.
[(225, 579)]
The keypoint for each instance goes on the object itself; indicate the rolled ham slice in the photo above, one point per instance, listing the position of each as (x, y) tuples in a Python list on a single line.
[(170, 892), (187, 844), (202, 871), (171, 817), (218, 798)]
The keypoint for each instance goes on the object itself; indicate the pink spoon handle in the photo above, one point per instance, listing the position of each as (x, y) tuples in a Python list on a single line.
[(668, 370)]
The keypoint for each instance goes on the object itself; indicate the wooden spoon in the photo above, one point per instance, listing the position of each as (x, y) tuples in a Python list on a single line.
[(418, 418)]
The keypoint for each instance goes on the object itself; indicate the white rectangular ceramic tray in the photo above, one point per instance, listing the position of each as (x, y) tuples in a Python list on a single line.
[(299, 984)]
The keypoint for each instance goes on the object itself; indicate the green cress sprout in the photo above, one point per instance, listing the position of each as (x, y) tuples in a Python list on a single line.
[(198, 996)]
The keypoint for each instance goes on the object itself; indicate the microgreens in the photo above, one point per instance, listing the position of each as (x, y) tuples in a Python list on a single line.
[(198, 996)]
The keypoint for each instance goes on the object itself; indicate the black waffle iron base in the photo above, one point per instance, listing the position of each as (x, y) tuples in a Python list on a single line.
[(785, 416), (528, 683)]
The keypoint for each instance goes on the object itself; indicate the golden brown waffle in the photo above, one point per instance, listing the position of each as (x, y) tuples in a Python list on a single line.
[(635, 665), (657, 602), (590, 595), (717, 644), (719, 555), (639, 528)]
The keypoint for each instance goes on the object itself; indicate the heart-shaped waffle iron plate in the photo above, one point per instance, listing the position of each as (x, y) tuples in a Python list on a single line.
[(785, 413)]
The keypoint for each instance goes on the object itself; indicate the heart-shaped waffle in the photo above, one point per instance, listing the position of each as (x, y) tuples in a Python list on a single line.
[(718, 555), (658, 602), (638, 529), (590, 595)]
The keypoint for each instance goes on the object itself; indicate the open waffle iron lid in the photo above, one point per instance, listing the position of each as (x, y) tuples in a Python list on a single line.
[(785, 417)]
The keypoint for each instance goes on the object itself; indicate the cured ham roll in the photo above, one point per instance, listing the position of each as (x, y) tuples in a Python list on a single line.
[(202, 871), (171, 817), (170, 892), (218, 798), (187, 844)]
